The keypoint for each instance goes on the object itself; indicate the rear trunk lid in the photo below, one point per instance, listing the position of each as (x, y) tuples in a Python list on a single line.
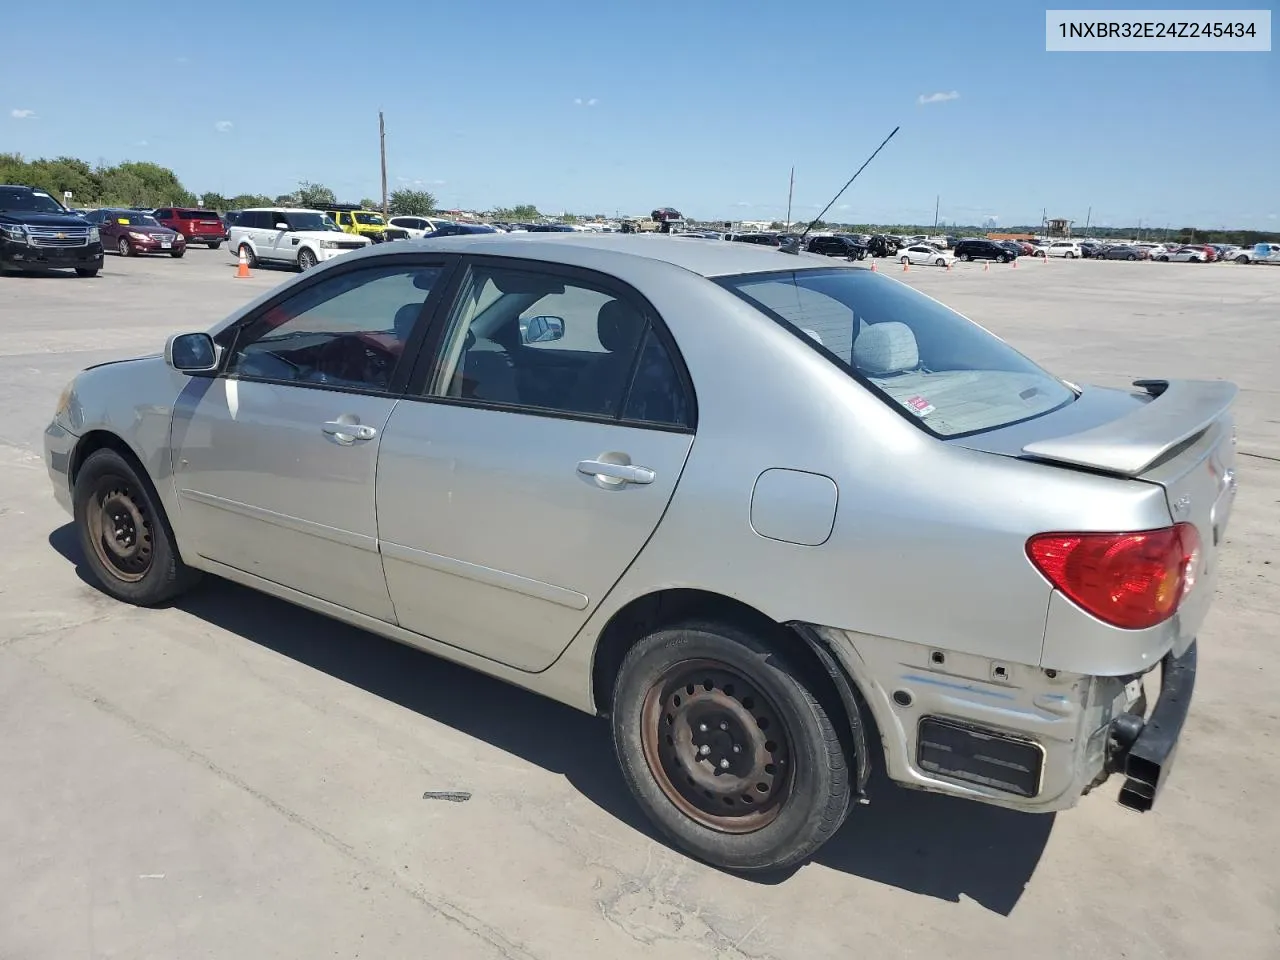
[(201, 225), (1179, 434)]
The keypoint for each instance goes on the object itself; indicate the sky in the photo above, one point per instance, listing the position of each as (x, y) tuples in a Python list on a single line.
[(624, 107)]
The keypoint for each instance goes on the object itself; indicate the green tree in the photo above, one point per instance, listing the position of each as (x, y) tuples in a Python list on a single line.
[(215, 201), (245, 200), (412, 203), (143, 184), (519, 213), (314, 195)]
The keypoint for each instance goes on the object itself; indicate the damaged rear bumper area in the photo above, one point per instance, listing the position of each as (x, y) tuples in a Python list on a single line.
[(1014, 735), (1143, 749)]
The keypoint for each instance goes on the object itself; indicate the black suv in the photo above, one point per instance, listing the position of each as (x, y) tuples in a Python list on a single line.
[(982, 250), (37, 232), (838, 246)]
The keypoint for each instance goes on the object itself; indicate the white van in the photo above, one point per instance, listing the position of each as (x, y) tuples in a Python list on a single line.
[(299, 237)]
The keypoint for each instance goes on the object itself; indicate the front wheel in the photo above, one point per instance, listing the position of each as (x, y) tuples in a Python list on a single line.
[(124, 535), (306, 260), (1242, 259), (965, 257), (86, 271), (177, 254), (124, 248), (726, 748), (1006, 258), (1069, 255), (940, 262)]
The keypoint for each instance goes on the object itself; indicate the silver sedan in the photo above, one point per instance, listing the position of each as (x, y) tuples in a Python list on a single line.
[(769, 514)]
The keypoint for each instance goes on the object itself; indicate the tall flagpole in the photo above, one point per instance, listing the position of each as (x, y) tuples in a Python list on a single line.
[(790, 189)]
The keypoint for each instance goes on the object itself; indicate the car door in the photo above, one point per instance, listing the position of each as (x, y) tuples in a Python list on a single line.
[(520, 479), (274, 457)]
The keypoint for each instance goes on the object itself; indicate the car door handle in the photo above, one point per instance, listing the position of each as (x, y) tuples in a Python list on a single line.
[(349, 431), (621, 472)]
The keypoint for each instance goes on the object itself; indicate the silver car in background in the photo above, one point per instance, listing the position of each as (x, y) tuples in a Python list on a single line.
[(770, 514)]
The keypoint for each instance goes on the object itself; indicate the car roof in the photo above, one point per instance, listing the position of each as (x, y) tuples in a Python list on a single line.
[(612, 252), (281, 209)]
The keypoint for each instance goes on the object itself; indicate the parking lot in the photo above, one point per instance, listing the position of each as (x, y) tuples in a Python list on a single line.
[(233, 776)]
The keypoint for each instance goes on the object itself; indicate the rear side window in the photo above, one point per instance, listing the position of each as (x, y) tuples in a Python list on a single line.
[(935, 366)]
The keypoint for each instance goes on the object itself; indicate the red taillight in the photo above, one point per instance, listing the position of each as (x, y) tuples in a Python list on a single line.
[(1131, 580)]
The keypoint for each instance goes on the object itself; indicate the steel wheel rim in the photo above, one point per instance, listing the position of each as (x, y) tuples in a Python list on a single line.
[(120, 529), (691, 721)]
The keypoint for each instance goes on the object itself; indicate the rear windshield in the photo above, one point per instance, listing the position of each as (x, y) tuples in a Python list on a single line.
[(197, 215), (942, 370)]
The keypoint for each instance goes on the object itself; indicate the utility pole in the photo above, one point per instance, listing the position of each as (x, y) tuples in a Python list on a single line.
[(790, 189), (1087, 217), (382, 146), (937, 201)]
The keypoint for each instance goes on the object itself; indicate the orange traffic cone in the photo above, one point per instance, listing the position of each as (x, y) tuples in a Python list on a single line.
[(1014, 263), (986, 266), (948, 266), (873, 266), (243, 270), (904, 265)]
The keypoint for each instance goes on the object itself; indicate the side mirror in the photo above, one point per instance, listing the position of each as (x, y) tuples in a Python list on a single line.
[(541, 329), (282, 226), (191, 352)]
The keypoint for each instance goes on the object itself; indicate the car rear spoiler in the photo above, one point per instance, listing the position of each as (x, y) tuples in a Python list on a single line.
[(1179, 411)]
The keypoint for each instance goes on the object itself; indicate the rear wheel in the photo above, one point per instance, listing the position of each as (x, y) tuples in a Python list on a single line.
[(1132, 256), (124, 534), (247, 252), (1005, 258), (965, 257), (214, 244), (1242, 259), (940, 262), (1069, 255), (905, 260), (726, 749), (86, 271)]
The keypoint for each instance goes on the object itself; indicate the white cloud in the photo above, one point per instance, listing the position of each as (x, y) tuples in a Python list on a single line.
[(1271, 216), (939, 97), (586, 101), (223, 126), (142, 143), (19, 114), (744, 203)]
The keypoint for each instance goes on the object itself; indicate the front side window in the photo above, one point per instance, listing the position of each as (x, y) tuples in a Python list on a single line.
[(540, 341), (941, 369), (349, 330)]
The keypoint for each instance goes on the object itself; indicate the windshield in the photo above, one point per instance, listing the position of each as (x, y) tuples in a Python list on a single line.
[(946, 372), (310, 221), (30, 201), (370, 219), (132, 219)]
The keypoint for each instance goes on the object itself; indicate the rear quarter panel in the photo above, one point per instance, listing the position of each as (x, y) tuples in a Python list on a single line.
[(928, 540)]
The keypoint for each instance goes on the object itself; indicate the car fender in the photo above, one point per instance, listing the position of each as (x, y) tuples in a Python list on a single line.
[(133, 401)]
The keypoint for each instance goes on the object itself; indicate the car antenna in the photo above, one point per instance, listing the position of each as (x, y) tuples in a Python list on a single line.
[(793, 246)]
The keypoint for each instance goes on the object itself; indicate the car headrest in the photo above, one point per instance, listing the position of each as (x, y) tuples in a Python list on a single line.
[(885, 348), (618, 326), (405, 318)]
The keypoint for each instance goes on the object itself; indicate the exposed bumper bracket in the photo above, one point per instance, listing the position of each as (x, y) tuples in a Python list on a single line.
[(1148, 758), (844, 686)]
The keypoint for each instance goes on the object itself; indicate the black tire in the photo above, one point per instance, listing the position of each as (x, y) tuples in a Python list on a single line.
[(1069, 256), (215, 244), (125, 248), (803, 802), (306, 260), (136, 561), (1005, 258), (249, 257), (940, 262), (965, 257), (1242, 259), (86, 271), (177, 254), (1132, 256)]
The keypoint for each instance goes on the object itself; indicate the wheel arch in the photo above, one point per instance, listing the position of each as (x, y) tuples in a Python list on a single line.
[(95, 440), (803, 648)]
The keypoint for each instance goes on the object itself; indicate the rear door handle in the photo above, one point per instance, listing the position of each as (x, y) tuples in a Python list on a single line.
[(349, 432), (620, 472)]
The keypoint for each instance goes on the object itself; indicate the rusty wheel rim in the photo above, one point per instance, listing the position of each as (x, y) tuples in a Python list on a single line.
[(120, 529), (717, 746)]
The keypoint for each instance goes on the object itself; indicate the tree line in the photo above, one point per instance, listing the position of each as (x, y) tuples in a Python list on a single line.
[(143, 184)]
